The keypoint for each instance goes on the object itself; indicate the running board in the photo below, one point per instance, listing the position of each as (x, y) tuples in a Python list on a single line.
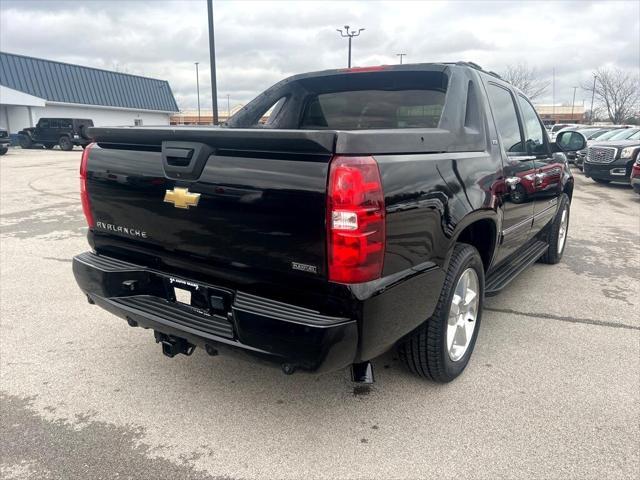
[(500, 278)]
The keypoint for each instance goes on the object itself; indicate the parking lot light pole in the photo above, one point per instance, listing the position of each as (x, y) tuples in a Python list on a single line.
[(401, 55), (349, 34), (212, 62), (573, 102), (593, 93), (198, 89)]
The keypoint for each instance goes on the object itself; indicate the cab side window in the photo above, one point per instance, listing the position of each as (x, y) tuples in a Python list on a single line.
[(504, 112), (534, 131)]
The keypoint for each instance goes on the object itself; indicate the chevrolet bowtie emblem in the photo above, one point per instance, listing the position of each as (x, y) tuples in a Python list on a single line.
[(182, 198)]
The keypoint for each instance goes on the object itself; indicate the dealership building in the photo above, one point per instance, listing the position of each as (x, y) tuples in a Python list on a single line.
[(31, 88)]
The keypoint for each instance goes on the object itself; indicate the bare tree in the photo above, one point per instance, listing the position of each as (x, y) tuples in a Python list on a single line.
[(595, 115), (618, 91), (526, 79)]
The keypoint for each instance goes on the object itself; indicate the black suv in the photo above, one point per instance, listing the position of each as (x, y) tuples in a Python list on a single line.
[(49, 132), (612, 161), (4, 141)]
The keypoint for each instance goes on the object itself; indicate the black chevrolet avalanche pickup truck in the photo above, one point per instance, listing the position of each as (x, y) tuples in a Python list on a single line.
[(375, 208)]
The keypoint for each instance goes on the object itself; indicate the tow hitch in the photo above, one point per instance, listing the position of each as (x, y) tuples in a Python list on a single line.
[(172, 346)]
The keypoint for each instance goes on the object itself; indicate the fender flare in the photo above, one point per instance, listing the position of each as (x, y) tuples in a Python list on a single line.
[(469, 219)]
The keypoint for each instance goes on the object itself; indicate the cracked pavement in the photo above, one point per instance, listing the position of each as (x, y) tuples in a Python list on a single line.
[(552, 391)]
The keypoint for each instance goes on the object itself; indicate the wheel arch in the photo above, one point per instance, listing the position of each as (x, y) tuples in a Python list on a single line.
[(480, 230)]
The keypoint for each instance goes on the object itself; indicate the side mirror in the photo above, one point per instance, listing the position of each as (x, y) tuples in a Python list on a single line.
[(570, 141)]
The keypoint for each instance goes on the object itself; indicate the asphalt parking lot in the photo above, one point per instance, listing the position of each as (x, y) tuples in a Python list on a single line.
[(553, 389)]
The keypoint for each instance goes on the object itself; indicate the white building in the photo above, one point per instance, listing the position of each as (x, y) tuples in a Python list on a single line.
[(31, 88)]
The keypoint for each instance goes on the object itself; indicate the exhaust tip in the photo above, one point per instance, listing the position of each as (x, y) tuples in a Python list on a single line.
[(362, 373)]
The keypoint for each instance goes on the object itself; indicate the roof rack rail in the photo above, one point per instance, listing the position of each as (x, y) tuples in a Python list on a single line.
[(471, 64), (478, 67)]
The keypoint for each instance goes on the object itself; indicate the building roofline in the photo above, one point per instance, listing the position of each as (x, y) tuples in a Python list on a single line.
[(108, 107), (84, 66)]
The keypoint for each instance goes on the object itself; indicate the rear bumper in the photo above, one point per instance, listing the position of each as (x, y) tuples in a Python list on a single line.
[(266, 329)]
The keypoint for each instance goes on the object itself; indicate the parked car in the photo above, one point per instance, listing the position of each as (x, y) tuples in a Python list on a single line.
[(589, 133), (49, 132), (377, 208), (555, 129), (635, 175), (4, 141), (591, 136), (613, 160)]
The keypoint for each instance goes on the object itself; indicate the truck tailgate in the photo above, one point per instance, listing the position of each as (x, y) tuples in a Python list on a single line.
[(240, 199)]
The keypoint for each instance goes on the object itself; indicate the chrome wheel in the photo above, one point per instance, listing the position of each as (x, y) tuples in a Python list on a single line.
[(462, 314), (562, 233)]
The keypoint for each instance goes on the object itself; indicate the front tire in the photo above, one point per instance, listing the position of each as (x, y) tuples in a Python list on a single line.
[(3, 150), (558, 231), (65, 144), (441, 347)]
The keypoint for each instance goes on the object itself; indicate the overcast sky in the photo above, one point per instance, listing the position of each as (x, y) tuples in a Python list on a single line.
[(259, 43)]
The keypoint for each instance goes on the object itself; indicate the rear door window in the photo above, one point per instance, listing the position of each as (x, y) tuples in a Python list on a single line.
[(506, 118), (534, 132)]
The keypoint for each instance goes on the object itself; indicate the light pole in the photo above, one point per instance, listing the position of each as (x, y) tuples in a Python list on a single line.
[(228, 107), (553, 90), (212, 62), (349, 34), (198, 89), (401, 55), (593, 94), (573, 102)]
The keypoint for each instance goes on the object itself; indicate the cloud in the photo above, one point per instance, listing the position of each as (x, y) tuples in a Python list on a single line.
[(259, 43)]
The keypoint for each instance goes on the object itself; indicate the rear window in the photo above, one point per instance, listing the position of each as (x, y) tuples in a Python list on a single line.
[(377, 101), (371, 109)]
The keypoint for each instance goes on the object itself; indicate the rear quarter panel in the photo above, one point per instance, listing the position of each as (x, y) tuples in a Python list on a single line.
[(430, 198)]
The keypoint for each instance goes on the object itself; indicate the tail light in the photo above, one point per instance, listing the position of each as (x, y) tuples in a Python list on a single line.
[(84, 194), (355, 220)]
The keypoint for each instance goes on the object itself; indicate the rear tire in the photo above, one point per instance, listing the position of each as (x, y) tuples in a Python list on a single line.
[(25, 142), (601, 180), (427, 351), (3, 150), (65, 144), (558, 232)]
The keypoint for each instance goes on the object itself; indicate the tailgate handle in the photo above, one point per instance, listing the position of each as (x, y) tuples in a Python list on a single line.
[(184, 160), (178, 157)]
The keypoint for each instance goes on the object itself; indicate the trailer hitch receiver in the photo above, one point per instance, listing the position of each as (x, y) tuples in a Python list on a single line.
[(172, 346)]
